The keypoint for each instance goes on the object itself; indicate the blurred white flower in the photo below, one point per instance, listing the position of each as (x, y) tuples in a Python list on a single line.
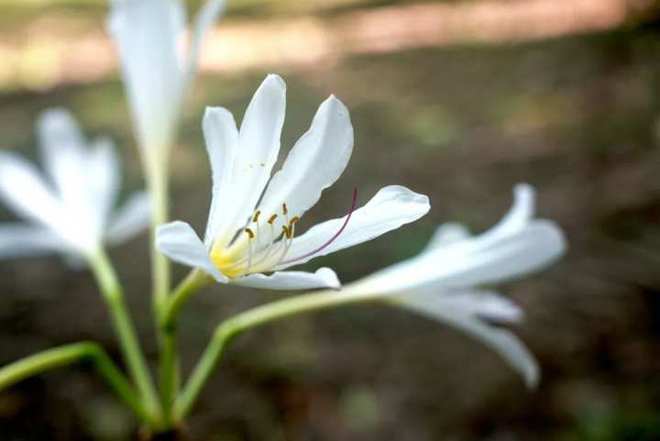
[(157, 67), (69, 208), (252, 222), (442, 282)]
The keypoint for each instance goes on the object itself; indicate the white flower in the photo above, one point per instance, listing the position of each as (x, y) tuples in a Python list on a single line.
[(443, 281), (69, 209), (156, 70), (252, 222)]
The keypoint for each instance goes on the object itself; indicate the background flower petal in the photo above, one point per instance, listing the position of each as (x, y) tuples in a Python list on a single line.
[(132, 217), (502, 341), (147, 34), (20, 240), (204, 21)]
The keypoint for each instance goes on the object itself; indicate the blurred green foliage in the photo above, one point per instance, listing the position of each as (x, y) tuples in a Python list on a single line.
[(621, 425)]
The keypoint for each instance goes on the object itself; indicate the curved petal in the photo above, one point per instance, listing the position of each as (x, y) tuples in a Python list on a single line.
[(533, 248), (389, 209), (146, 33), (221, 136), (520, 213), (488, 305), (19, 240), (178, 241), (506, 344), (259, 141), (23, 189), (313, 164), (205, 19), (536, 246), (66, 160), (102, 172), (457, 239), (447, 234), (133, 217), (478, 303), (289, 280), (61, 144)]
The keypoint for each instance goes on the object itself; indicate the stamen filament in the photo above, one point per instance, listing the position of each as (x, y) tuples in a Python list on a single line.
[(268, 248), (249, 265), (267, 255), (332, 239)]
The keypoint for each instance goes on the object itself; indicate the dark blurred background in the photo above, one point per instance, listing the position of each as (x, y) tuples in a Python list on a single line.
[(459, 100)]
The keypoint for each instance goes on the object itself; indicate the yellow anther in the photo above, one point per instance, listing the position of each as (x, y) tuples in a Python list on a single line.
[(285, 210), (272, 219), (294, 220), (287, 231), (255, 218), (250, 233)]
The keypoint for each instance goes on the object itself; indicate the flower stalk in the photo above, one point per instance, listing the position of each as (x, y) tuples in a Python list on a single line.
[(158, 184), (133, 355), (72, 353), (260, 315), (169, 360), (195, 281)]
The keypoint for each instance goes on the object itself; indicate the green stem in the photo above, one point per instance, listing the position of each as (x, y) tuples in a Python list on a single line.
[(71, 353), (114, 298), (157, 180), (161, 276), (169, 363), (193, 282), (250, 319)]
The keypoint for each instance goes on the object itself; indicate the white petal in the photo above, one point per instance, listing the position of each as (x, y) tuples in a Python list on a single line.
[(103, 181), (452, 236), (474, 302), (18, 240), (86, 181), (501, 341), (66, 159), (133, 217), (204, 21), (178, 241), (62, 149), (314, 163), (516, 218), (259, 141), (488, 305), (290, 280), (531, 249), (447, 234), (389, 209), (221, 136), (147, 33), (25, 192)]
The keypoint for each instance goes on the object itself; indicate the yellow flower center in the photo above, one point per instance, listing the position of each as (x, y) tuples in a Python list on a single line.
[(257, 248)]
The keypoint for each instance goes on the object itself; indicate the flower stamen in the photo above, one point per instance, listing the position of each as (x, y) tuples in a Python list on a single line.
[(332, 239), (264, 255)]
